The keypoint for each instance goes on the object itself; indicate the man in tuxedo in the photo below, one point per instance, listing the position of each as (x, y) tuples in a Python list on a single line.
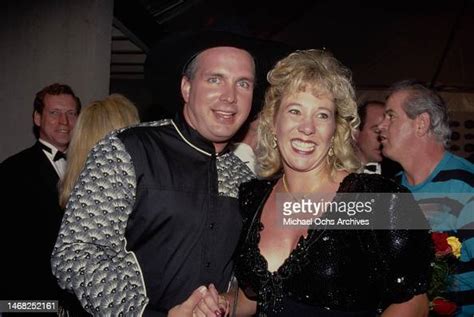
[(369, 147), (31, 215)]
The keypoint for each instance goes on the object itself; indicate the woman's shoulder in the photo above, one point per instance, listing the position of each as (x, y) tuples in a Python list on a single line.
[(370, 183), (252, 193), (256, 186)]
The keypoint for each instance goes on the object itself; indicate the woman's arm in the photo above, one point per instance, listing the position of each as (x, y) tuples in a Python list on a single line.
[(417, 306)]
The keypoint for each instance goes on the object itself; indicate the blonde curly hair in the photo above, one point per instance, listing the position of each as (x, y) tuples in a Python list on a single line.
[(321, 73)]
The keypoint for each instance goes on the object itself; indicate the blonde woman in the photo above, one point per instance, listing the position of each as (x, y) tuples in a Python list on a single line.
[(94, 122), (305, 138)]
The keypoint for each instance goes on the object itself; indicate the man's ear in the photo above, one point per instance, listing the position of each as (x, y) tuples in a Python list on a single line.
[(185, 88), (37, 118), (423, 123)]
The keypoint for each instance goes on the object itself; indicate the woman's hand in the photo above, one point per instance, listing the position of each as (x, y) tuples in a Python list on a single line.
[(203, 302), (212, 304)]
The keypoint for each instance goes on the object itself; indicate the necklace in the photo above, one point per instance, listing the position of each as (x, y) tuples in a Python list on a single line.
[(286, 189), (285, 186)]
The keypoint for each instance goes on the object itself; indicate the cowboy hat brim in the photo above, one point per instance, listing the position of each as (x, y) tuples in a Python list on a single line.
[(166, 61)]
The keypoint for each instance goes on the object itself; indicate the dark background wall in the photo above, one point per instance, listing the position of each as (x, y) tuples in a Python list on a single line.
[(100, 46), (49, 41)]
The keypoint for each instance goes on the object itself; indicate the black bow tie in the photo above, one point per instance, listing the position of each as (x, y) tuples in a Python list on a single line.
[(59, 155), (371, 168)]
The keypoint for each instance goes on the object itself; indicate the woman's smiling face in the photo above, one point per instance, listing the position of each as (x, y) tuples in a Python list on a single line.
[(304, 127)]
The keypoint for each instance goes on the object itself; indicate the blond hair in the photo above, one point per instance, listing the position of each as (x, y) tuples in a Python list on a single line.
[(94, 122), (322, 74)]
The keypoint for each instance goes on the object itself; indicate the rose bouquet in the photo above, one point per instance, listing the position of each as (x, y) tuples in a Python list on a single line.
[(447, 252)]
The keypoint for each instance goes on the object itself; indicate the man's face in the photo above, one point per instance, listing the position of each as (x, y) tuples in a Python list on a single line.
[(397, 130), (57, 120), (219, 97), (368, 139)]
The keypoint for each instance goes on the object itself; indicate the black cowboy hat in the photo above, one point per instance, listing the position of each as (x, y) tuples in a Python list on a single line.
[(166, 61)]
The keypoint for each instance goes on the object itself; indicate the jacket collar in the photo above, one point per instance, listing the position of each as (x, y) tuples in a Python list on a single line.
[(194, 139)]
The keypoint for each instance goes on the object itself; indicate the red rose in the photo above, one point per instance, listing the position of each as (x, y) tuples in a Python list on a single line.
[(443, 307), (441, 243)]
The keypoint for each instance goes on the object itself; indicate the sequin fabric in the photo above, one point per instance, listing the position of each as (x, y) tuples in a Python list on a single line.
[(335, 270)]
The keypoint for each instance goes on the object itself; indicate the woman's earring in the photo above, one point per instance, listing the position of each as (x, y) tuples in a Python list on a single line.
[(274, 142), (331, 148), (331, 151)]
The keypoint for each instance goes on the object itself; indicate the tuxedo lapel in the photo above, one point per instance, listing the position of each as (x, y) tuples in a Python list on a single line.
[(47, 172)]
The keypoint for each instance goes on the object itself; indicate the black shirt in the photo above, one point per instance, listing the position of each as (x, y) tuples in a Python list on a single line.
[(155, 216)]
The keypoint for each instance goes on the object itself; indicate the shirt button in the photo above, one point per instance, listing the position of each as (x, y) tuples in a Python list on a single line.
[(208, 264), (211, 225)]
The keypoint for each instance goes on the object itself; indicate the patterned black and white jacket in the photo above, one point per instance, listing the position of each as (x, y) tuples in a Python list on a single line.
[(153, 216)]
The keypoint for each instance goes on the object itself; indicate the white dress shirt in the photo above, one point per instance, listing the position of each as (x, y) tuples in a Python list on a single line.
[(245, 153), (59, 165), (373, 168)]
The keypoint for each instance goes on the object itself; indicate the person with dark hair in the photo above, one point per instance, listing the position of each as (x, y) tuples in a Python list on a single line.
[(152, 223), (29, 182), (415, 133), (52, 90), (369, 147)]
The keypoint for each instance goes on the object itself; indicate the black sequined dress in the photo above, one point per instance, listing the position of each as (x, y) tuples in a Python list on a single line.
[(335, 272)]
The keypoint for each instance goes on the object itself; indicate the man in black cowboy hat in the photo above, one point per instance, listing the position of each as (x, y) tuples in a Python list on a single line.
[(154, 215)]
